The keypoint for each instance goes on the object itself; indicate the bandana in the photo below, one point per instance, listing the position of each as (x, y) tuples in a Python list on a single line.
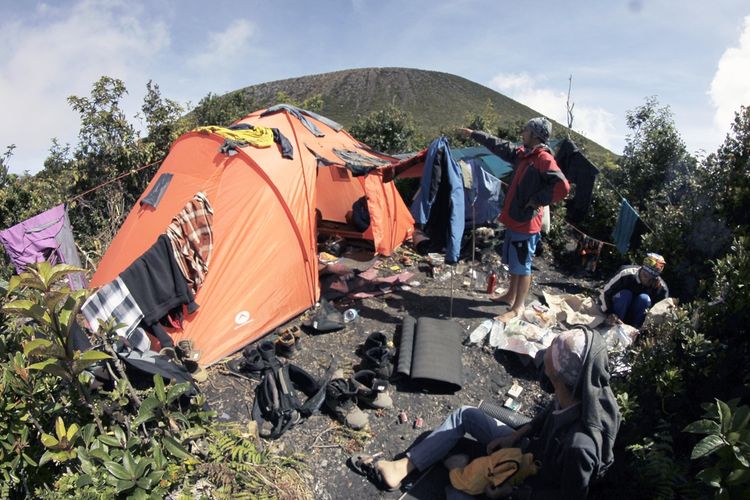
[(653, 264)]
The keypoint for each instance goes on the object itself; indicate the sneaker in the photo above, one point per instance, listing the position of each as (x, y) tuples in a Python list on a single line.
[(341, 400), (187, 352), (371, 391)]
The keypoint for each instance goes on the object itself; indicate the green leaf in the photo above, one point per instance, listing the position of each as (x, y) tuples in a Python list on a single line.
[(710, 476), (43, 364), (740, 456), (72, 432), (177, 390), (725, 415), (28, 309), (129, 464), (738, 476), (124, 486), (175, 448), (60, 428), (49, 441), (29, 460), (706, 446), (35, 344), (46, 457), (60, 271), (83, 480), (159, 388), (100, 454), (119, 435), (109, 440), (118, 470), (740, 418), (144, 483), (27, 280), (94, 356), (703, 427), (87, 433)]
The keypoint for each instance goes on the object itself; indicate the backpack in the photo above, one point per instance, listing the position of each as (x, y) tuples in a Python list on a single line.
[(278, 405)]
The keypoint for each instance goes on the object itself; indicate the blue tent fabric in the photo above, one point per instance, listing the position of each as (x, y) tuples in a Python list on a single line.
[(441, 199), (491, 163), (623, 230), (484, 199)]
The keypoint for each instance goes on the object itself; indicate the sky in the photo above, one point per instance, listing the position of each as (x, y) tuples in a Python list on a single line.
[(693, 56)]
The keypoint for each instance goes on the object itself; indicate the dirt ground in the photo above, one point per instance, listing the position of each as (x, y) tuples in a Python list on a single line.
[(324, 442)]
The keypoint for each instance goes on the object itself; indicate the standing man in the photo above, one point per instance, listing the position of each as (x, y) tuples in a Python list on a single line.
[(537, 181)]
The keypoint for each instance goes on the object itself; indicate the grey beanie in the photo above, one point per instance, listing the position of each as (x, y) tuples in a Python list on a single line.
[(540, 127)]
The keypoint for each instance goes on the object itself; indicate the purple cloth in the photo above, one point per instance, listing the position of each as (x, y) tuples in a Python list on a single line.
[(47, 236)]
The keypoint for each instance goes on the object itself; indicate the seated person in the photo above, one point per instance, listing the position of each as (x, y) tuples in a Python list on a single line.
[(572, 437), (633, 290)]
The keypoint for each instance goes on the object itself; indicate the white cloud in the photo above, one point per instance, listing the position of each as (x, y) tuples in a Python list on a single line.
[(730, 87), (223, 48), (61, 52), (594, 122)]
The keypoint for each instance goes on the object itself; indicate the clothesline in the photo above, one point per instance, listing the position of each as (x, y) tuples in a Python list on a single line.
[(605, 242), (96, 188)]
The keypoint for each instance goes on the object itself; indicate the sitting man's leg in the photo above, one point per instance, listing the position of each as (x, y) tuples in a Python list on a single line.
[(638, 308), (621, 304), (435, 447)]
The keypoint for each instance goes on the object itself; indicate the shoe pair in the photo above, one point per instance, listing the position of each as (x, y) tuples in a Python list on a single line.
[(251, 362), (344, 394)]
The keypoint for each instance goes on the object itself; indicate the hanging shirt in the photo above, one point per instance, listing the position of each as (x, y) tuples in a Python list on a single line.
[(191, 235), (261, 137), (623, 230), (46, 236), (113, 301), (581, 172)]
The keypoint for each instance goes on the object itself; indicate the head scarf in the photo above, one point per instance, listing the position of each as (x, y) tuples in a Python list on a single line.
[(540, 127), (568, 350)]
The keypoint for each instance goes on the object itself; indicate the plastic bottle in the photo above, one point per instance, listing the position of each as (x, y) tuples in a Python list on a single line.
[(350, 315)]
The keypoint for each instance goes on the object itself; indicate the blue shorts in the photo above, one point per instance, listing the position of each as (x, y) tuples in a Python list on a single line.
[(518, 249)]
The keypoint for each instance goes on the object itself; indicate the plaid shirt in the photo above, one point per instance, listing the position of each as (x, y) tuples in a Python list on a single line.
[(191, 235), (113, 301)]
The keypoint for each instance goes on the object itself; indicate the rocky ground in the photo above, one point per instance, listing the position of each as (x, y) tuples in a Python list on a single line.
[(326, 444)]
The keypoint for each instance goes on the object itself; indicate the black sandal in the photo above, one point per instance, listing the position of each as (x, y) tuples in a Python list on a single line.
[(367, 465)]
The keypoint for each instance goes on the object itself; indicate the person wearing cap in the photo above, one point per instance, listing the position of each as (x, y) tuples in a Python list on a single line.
[(630, 293), (572, 438), (537, 182)]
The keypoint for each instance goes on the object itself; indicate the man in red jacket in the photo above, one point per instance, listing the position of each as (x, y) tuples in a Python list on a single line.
[(537, 181)]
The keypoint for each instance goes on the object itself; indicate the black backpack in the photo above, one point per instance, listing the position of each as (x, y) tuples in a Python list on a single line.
[(278, 406)]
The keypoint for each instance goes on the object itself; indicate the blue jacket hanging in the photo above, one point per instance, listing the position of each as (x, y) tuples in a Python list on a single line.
[(440, 204)]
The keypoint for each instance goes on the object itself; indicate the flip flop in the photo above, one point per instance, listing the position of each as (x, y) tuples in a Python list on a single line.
[(367, 465)]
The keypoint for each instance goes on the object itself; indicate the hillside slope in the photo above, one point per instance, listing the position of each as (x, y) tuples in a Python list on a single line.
[(437, 101)]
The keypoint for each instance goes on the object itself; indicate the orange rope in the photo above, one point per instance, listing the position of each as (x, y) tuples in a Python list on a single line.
[(95, 188)]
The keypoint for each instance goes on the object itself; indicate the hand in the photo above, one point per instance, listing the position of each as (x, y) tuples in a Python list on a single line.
[(464, 132), (501, 491), (501, 442), (612, 320)]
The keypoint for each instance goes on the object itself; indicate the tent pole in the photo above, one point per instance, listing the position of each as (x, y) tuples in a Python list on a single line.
[(473, 272), (450, 313)]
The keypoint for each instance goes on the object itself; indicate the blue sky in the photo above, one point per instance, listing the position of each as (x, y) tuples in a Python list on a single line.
[(692, 55)]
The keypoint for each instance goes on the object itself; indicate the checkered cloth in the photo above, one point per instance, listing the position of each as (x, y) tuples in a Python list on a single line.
[(191, 235), (113, 301)]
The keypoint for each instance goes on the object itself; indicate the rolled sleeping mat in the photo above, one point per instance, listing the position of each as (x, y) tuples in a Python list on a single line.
[(437, 354), (505, 415), (406, 346)]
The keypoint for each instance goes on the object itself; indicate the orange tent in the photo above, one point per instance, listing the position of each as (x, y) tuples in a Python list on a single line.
[(264, 266)]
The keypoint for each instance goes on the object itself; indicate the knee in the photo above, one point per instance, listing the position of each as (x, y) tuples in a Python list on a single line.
[(644, 300), (465, 413)]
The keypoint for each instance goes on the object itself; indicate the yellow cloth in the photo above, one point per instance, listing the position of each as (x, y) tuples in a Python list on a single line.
[(261, 137), (506, 464)]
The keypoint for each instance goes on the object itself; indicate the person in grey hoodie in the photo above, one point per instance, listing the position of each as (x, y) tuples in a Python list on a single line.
[(572, 438)]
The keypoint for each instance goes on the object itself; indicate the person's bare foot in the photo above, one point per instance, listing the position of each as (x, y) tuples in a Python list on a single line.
[(393, 472), (512, 314), (502, 299)]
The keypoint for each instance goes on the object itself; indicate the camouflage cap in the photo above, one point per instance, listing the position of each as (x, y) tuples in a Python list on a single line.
[(568, 350)]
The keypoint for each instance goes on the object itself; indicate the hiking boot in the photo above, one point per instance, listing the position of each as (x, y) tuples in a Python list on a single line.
[(371, 391), (250, 363), (287, 343), (379, 359), (341, 400), (376, 339), (187, 352)]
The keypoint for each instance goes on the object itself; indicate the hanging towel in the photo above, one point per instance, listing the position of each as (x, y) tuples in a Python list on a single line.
[(625, 225), (46, 236), (113, 301), (260, 137)]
